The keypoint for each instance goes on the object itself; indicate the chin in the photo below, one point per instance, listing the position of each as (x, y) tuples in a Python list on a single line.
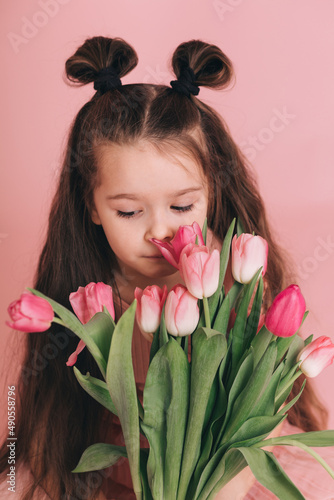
[(161, 273), (160, 269)]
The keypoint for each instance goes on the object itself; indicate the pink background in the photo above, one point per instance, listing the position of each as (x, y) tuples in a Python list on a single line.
[(282, 53)]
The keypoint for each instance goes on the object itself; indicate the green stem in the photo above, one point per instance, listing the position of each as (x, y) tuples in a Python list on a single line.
[(178, 340), (206, 312), (296, 375), (59, 321)]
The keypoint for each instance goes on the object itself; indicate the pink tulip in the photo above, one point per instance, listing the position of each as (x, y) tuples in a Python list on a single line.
[(89, 300), (149, 308), (184, 235), (86, 302), (200, 270), (316, 356), (181, 312), (285, 314), (249, 253), (30, 313)]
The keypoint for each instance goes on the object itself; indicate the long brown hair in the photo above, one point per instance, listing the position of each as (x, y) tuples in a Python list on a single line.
[(57, 420)]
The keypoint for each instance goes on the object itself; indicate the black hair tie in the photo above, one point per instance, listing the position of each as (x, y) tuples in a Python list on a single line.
[(107, 79), (185, 82)]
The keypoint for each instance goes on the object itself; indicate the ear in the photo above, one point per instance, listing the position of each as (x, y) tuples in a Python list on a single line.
[(94, 215)]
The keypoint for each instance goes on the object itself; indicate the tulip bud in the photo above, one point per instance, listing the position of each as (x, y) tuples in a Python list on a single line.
[(181, 312), (316, 356), (149, 308), (200, 270), (184, 235), (249, 253), (86, 302), (285, 314), (30, 313), (89, 300)]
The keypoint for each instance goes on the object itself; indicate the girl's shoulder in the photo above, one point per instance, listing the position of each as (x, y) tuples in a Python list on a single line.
[(306, 473)]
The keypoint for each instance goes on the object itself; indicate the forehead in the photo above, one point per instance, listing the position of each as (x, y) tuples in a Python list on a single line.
[(145, 164)]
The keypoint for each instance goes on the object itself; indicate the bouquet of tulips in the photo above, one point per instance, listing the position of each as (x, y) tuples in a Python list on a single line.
[(213, 393)]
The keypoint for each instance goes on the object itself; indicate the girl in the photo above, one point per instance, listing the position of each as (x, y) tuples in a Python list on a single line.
[(141, 160)]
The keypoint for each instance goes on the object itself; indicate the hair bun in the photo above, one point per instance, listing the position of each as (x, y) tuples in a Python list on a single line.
[(211, 66), (99, 53)]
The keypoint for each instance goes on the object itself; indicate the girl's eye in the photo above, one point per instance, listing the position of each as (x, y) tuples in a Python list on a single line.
[(183, 209), (126, 215)]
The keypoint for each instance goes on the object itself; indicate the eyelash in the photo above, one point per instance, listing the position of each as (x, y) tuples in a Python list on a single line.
[(129, 215)]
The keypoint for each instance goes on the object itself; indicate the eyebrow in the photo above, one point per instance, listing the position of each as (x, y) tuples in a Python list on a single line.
[(130, 196)]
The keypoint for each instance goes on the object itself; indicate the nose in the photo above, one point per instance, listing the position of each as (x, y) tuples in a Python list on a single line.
[(160, 228)]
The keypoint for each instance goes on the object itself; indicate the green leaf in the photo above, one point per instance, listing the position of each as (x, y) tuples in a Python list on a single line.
[(219, 471), (222, 317), (100, 328), (296, 346), (166, 401), (253, 429), (252, 393), (314, 438), (290, 404), (240, 228), (99, 456), (270, 474), (147, 494), (212, 432), (308, 340), (122, 388), (239, 382), (294, 440), (266, 405), (208, 349), (283, 396), (234, 293), (204, 230), (260, 343), (95, 388), (239, 327), (155, 344), (163, 335), (263, 465), (211, 402), (304, 318), (224, 258), (253, 319), (283, 344)]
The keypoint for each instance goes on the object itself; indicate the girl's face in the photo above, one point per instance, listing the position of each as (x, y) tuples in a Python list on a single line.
[(144, 194)]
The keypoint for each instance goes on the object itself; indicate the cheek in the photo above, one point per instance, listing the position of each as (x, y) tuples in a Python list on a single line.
[(120, 239)]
